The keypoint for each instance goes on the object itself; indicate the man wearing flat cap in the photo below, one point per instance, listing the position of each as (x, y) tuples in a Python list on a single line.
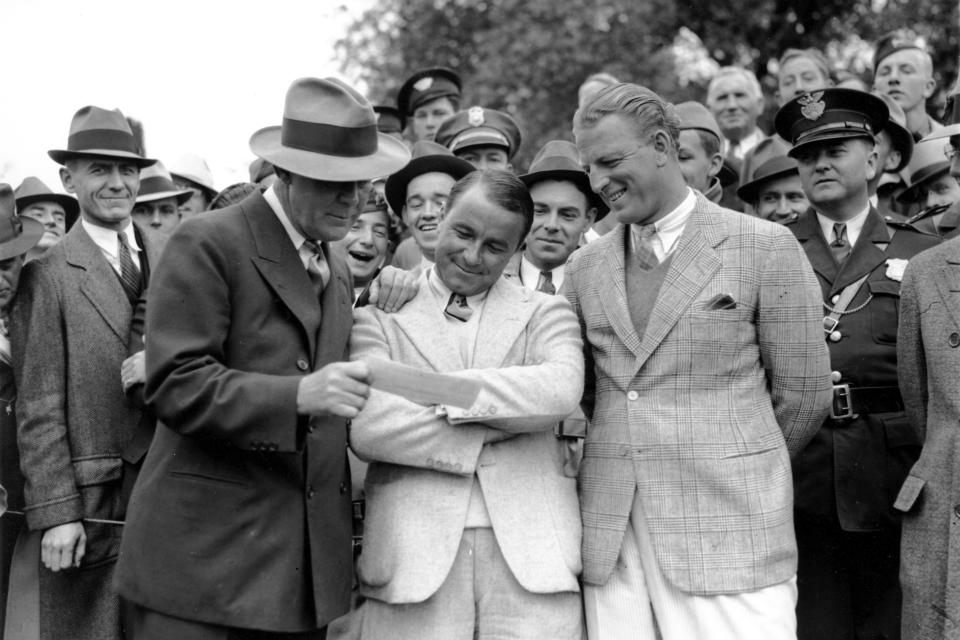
[(418, 193), (427, 98), (699, 153), (846, 479), (57, 212), (240, 524), (903, 69), (70, 332), (485, 138)]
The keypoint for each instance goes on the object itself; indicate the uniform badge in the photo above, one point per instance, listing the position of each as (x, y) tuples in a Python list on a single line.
[(895, 269), (475, 116), (811, 105), (423, 83)]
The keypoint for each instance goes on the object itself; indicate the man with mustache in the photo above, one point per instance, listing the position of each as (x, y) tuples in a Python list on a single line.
[(847, 478)]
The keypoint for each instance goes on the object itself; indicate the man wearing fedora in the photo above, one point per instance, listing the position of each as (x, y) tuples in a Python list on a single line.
[(70, 329), (775, 193), (418, 193), (159, 200), (55, 211), (190, 171), (240, 522), (847, 477), (18, 236), (932, 187)]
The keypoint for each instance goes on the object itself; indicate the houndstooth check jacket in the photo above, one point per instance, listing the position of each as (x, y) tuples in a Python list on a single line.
[(700, 415)]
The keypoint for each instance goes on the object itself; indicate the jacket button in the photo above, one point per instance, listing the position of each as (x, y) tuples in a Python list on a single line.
[(954, 339), (302, 364), (343, 488), (310, 491), (632, 395), (835, 377)]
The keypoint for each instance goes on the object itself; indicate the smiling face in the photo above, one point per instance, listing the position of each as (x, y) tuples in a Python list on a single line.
[(623, 169), (944, 189), (477, 239), (106, 189), (561, 215), (428, 117), (735, 106), (318, 209), (53, 218), (906, 77), (834, 174), (781, 199), (423, 209), (366, 245)]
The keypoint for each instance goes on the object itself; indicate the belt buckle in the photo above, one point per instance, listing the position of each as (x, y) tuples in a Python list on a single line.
[(830, 324), (841, 407)]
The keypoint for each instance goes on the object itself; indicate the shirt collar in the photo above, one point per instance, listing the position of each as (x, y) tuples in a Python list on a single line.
[(106, 239), (669, 227), (530, 274), (854, 225), (442, 292), (270, 195)]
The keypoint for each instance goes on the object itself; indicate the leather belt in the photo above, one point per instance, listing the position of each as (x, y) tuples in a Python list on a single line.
[(851, 402)]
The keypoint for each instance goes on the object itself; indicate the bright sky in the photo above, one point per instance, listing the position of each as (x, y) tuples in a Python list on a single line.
[(201, 75)]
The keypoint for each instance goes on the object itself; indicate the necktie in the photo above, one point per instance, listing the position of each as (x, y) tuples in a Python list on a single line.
[(317, 267), (643, 246), (840, 248), (545, 283), (129, 273), (457, 308)]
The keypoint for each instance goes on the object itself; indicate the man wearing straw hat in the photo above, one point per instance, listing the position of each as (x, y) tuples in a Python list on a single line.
[(240, 522), (69, 331)]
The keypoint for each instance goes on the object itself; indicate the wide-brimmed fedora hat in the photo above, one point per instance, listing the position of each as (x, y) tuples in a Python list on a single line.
[(33, 190), (775, 167), (17, 233), (102, 133), (928, 163), (559, 160), (195, 170), (157, 184), (329, 132), (428, 157)]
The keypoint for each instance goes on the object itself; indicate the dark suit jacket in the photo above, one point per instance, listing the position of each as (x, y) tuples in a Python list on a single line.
[(241, 514), (854, 469), (69, 332)]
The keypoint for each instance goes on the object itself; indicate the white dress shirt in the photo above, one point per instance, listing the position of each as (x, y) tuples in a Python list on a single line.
[(669, 228), (107, 240), (530, 274), (306, 253), (854, 226)]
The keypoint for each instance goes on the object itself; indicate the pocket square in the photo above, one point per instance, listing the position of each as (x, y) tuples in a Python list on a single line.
[(720, 301)]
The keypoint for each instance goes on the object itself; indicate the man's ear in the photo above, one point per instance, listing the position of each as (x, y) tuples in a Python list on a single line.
[(929, 87), (892, 161), (510, 167), (590, 217), (66, 178), (872, 159), (663, 146), (716, 163)]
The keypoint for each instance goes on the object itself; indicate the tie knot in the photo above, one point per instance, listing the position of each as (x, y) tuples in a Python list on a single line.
[(457, 308), (645, 230), (839, 234), (313, 246), (545, 284)]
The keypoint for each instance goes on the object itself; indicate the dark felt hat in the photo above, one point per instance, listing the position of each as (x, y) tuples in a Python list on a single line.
[(479, 127), (928, 163), (830, 114), (559, 160), (33, 190), (428, 157), (776, 167), (427, 85), (17, 233), (390, 120), (100, 133), (329, 132), (896, 127)]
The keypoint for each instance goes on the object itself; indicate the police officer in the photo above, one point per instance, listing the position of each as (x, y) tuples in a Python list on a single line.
[(847, 478), (486, 138)]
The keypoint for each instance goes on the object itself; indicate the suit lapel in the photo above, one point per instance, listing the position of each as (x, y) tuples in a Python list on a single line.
[(281, 268), (98, 282), (613, 290), (815, 246), (693, 264), (866, 255), (948, 284), (424, 324), (506, 312)]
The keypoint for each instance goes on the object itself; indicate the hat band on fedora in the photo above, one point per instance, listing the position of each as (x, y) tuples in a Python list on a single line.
[(115, 139), (328, 139), (854, 127), (928, 172), (156, 184)]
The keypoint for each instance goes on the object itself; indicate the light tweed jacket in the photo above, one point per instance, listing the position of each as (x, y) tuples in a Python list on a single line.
[(698, 414), (928, 352), (529, 363)]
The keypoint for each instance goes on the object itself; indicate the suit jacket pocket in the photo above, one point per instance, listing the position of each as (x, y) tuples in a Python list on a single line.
[(899, 432)]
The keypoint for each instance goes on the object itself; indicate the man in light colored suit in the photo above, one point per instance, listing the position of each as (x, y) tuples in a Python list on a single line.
[(70, 331), (472, 526), (703, 328)]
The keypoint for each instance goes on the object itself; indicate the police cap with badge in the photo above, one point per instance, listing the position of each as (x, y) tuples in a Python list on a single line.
[(426, 86), (830, 114), (479, 127)]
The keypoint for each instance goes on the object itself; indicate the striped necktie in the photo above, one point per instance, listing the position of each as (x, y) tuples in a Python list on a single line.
[(642, 236), (840, 248), (129, 273), (545, 283)]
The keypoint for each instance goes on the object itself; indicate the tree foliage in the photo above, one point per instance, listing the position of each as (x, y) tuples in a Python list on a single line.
[(528, 57)]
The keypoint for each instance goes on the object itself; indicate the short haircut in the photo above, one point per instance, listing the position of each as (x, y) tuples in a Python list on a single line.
[(725, 72), (502, 188), (813, 55), (645, 108)]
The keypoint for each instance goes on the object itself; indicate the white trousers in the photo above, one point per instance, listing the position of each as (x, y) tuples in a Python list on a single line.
[(638, 603)]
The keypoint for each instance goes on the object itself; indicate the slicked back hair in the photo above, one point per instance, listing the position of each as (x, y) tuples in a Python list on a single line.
[(502, 188), (646, 109), (738, 72)]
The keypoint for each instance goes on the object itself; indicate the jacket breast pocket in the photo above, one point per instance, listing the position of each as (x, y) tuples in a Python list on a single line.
[(884, 310)]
